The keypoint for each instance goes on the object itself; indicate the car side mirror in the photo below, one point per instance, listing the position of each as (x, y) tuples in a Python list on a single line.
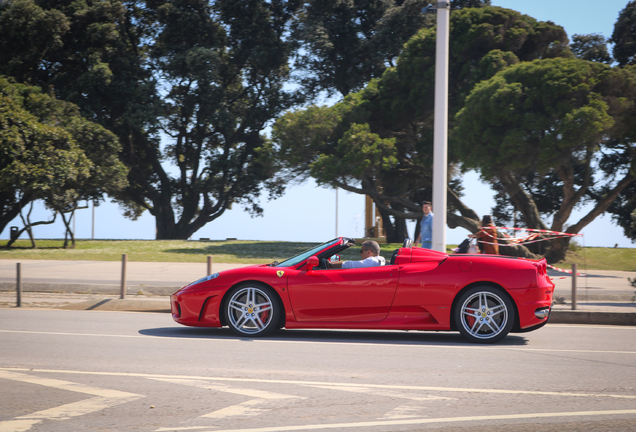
[(334, 259), (312, 262)]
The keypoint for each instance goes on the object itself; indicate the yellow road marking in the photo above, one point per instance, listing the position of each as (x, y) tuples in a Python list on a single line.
[(385, 393), (104, 398), (247, 408), (402, 412), (406, 422), (205, 384), (181, 428), (63, 385), (375, 386)]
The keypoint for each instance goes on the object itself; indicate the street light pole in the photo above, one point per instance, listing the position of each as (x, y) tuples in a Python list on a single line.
[(336, 212), (440, 137)]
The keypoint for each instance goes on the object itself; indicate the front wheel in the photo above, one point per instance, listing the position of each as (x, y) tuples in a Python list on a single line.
[(253, 309), (484, 314)]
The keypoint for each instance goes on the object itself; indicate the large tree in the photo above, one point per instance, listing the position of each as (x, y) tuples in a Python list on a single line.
[(346, 43), (50, 152), (592, 47), (187, 86), (558, 128), (624, 35), (623, 210), (397, 110)]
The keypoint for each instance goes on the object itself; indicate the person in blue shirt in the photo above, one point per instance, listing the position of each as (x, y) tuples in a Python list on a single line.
[(426, 226)]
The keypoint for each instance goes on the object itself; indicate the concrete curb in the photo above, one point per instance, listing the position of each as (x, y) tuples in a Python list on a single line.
[(90, 288), (593, 317), (123, 305)]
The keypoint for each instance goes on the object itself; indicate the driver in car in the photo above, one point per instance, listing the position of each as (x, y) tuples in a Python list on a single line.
[(370, 253)]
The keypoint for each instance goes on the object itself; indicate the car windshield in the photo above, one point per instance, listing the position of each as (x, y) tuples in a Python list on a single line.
[(309, 252)]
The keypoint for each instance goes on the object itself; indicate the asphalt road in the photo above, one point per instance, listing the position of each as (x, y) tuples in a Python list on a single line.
[(118, 371)]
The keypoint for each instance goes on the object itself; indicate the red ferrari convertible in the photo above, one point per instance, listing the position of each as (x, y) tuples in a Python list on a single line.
[(483, 296)]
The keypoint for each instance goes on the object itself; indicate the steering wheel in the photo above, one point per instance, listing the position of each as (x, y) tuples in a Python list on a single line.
[(324, 264)]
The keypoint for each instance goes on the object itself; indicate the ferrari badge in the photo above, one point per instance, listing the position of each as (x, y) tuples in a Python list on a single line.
[(280, 273)]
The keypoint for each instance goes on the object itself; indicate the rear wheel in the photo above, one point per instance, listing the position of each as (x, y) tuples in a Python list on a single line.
[(253, 309), (484, 314)]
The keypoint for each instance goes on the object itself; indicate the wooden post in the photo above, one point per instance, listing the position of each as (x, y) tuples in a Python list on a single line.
[(368, 217), (122, 291), (18, 285), (209, 265), (379, 224), (574, 270)]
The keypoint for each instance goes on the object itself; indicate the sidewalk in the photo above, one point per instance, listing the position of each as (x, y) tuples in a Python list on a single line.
[(603, 297)]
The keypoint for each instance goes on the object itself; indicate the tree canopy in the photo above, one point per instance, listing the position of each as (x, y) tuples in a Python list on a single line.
[(51, 152), (544, 128), (345, 44), (187, 87), (624, 35), (592, 47), (397, 110)]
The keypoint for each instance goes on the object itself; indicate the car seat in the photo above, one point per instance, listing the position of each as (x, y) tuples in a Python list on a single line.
[(408, 243)]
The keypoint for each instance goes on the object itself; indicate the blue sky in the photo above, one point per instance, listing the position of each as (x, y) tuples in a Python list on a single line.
[(308, 212)]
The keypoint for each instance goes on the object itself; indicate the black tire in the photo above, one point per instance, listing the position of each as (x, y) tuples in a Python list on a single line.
[(253, 309), (484, 314)]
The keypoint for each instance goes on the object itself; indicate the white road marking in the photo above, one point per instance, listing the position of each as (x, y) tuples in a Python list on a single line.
[(386, 393), (205, 384), (17, 425), (246, 408), (376, 386), (75, 409), (72, 334), (366, 344), (104, 398), (63, 385), (402, 412), (243, 409), (24, 423), (181, 428), (407, 422)]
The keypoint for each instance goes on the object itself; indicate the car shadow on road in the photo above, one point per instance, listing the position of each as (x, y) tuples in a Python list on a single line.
[(333, 336)]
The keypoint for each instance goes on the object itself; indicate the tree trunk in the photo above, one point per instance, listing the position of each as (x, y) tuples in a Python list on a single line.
[(68, 232), (27, 226), (396, 230), (30, 226), (522, 201), (11, 210), (558, 249)]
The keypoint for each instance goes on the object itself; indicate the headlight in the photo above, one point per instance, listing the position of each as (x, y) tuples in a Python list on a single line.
[(205, 279)]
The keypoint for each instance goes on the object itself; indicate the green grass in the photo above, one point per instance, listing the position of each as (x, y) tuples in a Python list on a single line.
[(598, 258), (255, 252), (233, 251)]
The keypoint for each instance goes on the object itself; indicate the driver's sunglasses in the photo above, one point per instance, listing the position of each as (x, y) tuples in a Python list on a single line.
[(361, 251)]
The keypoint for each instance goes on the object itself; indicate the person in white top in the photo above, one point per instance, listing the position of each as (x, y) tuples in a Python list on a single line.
[(370, 253)]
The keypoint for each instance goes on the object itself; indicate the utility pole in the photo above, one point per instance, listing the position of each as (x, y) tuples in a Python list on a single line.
[(440, 136)]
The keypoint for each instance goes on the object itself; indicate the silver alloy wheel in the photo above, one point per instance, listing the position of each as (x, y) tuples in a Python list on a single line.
[(250, 310), (484, 315)]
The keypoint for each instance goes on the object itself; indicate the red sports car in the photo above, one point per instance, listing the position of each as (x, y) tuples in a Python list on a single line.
[(483, 296)]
